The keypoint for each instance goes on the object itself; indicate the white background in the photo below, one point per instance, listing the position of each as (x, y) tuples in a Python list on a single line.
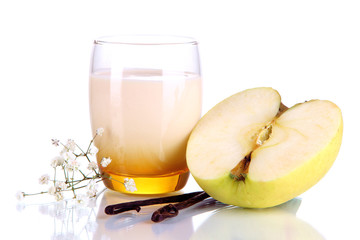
[(304, 49)]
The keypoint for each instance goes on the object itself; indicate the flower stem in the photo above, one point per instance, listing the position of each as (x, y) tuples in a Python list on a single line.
[(92, 140), (72, 185), (85, 154), (82, 173), (33, 194), (54, 181)]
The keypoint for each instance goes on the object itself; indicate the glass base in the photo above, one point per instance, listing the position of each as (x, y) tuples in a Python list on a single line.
[(148, 185)]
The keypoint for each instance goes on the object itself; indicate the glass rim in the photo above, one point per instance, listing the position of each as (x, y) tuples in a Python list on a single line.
[(145, 39)]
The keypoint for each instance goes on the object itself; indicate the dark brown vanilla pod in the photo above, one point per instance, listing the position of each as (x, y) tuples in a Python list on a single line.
[(136, 205), (172, 210)]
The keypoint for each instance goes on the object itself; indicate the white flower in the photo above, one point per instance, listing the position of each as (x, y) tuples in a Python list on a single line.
[(93, 150), (80, 198), (59, 196), (52, 190), (130, 185), (67, 155), (55, 142), (92, 166), (57, 161), (72, 165), (91, 193), (44, 179), (100, 131), (105, 162), (70, 145), (60, 186), (20, 195), (91, 189)]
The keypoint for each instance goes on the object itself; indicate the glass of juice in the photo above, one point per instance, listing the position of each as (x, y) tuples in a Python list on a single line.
[(146, 93)]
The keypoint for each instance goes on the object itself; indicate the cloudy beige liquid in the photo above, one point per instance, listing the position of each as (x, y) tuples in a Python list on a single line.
[(147, 116)]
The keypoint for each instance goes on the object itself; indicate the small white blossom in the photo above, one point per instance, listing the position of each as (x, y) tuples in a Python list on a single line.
[(60, 186), (20, 195), (69, 146), (59, 196), (68, 156), (44, 179), (93, 150), (91, 193), (72, 165), (92, 166), (105, 162), (91, 189), (57, 161), (55, 142), (52, 190), (63, 152), (100, 131), (80, 198), (130, 185)]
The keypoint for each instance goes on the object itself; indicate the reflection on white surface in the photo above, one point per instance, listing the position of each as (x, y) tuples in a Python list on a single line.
[(272, 223), (208, 219), (135, 225), (65, 219)]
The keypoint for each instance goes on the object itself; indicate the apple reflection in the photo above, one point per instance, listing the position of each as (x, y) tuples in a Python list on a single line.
[(271, 223)]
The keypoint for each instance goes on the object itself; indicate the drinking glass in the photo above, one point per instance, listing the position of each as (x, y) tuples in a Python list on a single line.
[(145, 92)]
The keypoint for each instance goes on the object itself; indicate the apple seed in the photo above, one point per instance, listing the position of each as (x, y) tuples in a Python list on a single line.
[(242, 168)]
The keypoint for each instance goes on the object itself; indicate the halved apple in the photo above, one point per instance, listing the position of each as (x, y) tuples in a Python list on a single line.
[(252, 151)]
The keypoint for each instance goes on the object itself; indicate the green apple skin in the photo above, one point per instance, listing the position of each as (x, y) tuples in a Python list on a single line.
[(255, 194), (251, 193)]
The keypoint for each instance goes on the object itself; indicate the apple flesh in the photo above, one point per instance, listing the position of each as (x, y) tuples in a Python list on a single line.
[(251, 151)]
